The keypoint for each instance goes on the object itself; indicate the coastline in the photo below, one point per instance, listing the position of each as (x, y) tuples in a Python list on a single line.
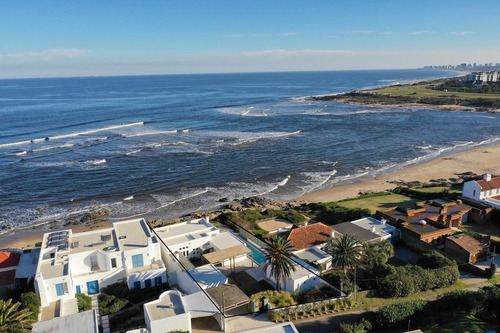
[(480, 160), (444, 167)]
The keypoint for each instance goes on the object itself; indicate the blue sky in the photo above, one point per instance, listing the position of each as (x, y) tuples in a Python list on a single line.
[(66, 38)]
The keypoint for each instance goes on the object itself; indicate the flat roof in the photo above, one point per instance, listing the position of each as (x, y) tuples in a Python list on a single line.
[(82, 322), (422, 228), (287, 327), (132, 234), (168, 304), (208, 275), (230, 252), (228, 295), (312, 254), (54, 268), (101, 239), (225, 240), (369, 222), (360, 234), (185, 231)]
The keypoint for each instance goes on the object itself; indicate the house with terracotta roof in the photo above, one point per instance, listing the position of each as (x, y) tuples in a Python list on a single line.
[(465, 249), (310, 241), (8, 266), (486, 190)]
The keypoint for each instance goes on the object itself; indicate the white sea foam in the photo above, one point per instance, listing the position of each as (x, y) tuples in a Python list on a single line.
[(279, 184), (133, 152), (128, 198), (66, 145), (149, 133), (70, 135), (96, 162), (185, 197), (264, 136), (20, 153)]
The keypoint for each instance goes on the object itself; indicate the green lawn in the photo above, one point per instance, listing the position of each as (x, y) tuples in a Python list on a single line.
[(438, 189), (421, 90), (378, 202), (487, 229), (468, 324)]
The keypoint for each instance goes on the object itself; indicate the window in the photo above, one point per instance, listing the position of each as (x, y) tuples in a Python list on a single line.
[(113, 262), (137, 261), (147, 283), (157, 280), (474, 193), (137, 285), (60, 289)]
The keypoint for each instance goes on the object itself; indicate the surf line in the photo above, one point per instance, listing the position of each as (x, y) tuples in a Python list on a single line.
[(70, 135)]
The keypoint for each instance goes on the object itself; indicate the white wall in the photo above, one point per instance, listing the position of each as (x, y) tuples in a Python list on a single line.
[(468, 190), (181, 322)]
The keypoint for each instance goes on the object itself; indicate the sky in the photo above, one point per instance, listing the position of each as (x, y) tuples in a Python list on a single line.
[(124, 37)]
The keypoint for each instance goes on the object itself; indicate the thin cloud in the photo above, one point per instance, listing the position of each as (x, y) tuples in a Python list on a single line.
[(233, 36), (290, 53), (44, 55), (387, 33), (463, 33), (421, 32), (288, 34)]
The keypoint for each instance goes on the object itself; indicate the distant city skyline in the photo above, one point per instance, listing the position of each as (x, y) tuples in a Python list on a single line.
[(61, 38)]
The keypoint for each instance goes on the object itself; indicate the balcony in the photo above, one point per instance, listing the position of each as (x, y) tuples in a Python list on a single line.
[(158, 264)]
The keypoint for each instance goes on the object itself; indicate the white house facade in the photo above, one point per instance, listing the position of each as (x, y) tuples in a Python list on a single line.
[(85, 262), (486, 190)]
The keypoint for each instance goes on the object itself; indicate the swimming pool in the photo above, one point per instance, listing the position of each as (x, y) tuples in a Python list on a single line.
[(258, 256)]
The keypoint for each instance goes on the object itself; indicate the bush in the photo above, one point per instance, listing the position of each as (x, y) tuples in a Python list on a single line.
[(31, 301), (110, 304), (410, 279), (396, 314), (433, 259), (84, 302), (362, 326), (490, 272), (277, 299), (340, 280), (314, 295)]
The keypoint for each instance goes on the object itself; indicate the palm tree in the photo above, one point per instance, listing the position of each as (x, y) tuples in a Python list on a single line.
[(278, 258), (376, 254), (345, 251), (12, 319)]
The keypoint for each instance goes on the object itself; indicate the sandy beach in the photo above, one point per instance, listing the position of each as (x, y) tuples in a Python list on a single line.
[(479, 160)]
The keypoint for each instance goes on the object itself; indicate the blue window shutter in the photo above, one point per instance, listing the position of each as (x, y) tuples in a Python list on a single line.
[(137, 261), (60, 289)]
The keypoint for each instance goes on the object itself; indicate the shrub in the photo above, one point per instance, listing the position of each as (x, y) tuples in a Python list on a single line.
[(110, 304), (31, 301), (333, 213), (434, 259), (316, 294), (340, 280), (395, 314), (490, 272), (276, 298), (362, 326), (84, 302)]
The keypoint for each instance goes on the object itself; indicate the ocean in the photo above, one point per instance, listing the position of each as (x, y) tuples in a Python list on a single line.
[(164, 146)]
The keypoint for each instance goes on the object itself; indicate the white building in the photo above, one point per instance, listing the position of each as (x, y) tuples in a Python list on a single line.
[(168, 313), (85, 262), (368, 230), (486, 190), (483, 77)]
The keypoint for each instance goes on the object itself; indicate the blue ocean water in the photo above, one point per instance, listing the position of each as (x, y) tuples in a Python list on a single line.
[(164, 146)]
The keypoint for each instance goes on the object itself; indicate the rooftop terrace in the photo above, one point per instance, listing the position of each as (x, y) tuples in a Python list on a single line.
[(132, 234), (185, 232), (169, 304)]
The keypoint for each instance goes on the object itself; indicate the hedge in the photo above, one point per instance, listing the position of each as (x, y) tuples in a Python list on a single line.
[(396, 314)]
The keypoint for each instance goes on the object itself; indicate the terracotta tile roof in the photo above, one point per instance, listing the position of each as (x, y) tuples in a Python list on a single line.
[(313, 234), (494, 183), (7, 277), (9, 259), (466, 242)]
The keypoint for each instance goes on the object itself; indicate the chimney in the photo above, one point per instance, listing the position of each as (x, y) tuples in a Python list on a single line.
[(487, 177), (373, 229), (305, 224), (332, 234)]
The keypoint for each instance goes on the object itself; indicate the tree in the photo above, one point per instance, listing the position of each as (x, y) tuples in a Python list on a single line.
[(278, 259), (12, 319), (377, 254), (31, 301), (345, 251)]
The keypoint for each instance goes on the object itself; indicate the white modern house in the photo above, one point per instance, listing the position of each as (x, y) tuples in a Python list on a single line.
[(486, 190), (85, 262)]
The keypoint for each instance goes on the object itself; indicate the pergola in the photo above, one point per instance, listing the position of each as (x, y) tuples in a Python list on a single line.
[(230, 253), (228, 296)]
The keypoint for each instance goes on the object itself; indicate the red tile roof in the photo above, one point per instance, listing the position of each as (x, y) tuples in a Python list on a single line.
[(468, 243), (311, 235), (9, 259), (492, 184)]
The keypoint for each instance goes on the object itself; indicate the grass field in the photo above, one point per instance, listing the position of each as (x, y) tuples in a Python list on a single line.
[(438, 189), (421, 91), (377, 202)]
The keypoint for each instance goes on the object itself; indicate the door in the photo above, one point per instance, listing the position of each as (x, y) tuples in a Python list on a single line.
[(78, 289), (92, 287)]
